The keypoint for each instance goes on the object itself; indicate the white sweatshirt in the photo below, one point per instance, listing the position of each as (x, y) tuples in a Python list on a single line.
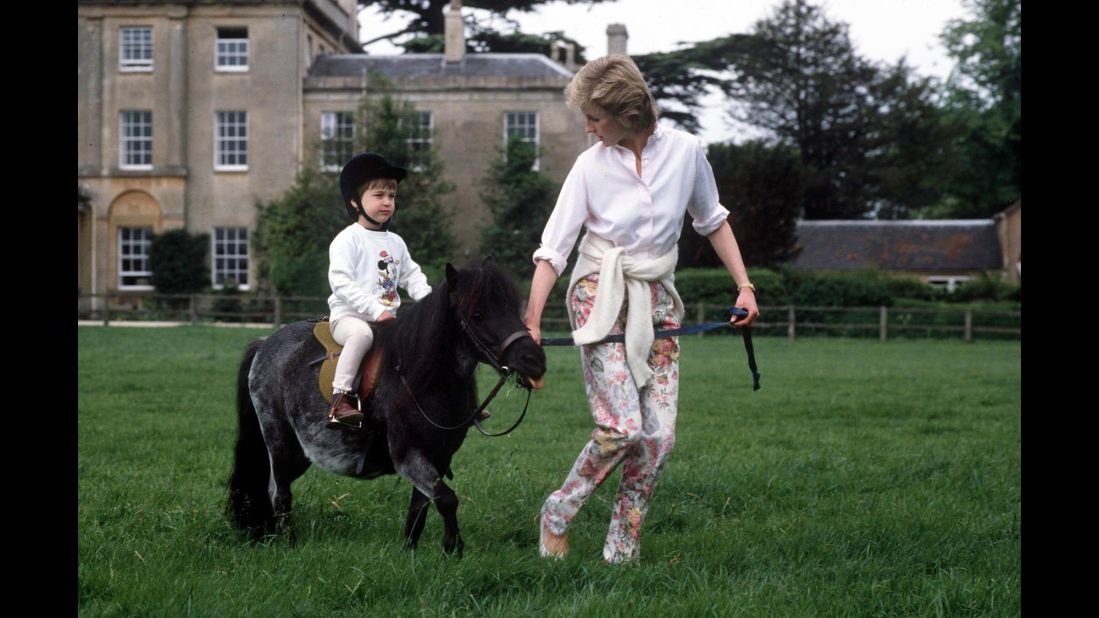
[(364, 269)]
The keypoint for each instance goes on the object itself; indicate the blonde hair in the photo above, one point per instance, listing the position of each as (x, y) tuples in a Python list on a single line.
[(378, 183), (615, 84)]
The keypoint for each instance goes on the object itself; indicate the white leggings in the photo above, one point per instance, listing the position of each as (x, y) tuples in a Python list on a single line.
[(356, 337)]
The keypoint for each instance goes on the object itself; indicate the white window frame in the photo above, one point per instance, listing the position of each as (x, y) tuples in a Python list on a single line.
[(131, 64), (126, 247), (419, 137), (227, 245), (422, 135), (220, 141), (523, 128), (951, 283), (331, 141), (128, 142), (230, 42)]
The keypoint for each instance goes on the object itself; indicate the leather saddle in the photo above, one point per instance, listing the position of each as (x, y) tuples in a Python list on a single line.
[(365, 380)]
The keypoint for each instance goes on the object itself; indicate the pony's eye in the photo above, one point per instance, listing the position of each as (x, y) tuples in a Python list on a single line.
[(477, 316)]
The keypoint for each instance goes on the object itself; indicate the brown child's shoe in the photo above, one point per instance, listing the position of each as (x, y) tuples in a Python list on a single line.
[(344, 414)]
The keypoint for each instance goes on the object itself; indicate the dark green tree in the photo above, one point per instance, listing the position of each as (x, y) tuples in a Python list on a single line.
[(178, 261), (392, 128), (293, 233), (679, 79), (521, 200), (983, 97), (424, 22), (761, 185)]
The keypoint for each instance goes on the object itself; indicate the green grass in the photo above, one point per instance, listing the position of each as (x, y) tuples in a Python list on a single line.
[(864, 479)]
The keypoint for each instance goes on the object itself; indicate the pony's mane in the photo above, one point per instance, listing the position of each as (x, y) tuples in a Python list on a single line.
[(425, 334)]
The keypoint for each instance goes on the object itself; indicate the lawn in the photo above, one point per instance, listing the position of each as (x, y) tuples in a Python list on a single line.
[(864, 479)]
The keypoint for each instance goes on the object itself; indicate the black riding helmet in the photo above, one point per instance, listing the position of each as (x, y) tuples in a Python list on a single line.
[(361, 169)]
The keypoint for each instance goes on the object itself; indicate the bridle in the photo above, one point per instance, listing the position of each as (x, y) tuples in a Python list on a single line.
[(487, 355)]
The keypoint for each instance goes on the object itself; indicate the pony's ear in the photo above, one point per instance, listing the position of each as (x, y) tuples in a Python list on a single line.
[(451, 275), (488, 260)]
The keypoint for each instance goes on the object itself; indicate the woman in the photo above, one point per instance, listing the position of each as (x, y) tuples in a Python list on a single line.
[(630, 191)]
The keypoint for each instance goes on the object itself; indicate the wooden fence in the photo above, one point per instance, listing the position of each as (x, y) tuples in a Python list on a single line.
[(882, 323)]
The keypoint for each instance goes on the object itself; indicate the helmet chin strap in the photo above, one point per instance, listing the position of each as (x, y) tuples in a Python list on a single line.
[(362, 212)]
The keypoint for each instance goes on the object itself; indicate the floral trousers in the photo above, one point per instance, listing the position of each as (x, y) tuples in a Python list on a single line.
[(633, 427)]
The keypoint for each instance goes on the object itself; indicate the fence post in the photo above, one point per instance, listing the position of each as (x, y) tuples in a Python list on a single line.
[(883, 321), (192, 309), (790, 327), (701, 316), (106, 310), (278, 311), (969, 326)]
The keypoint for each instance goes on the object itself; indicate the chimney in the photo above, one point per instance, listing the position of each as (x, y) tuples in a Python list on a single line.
[(455, 48), (570, 56), (616, 39)]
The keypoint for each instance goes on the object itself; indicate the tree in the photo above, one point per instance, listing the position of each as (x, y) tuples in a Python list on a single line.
[(761, 185), (392, 128), (294, 231), (427, 21), (178, 261), (983, 97), (678, 79), (521, 201), (856, 125)]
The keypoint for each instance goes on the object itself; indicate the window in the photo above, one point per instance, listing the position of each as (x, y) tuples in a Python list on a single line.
[(420, 133), (418, 136), (232, 50), (337, 139), (135, 140), (230, 257), (231, 141), (133, 258), (522, 125), (950, 284), (135, 49)]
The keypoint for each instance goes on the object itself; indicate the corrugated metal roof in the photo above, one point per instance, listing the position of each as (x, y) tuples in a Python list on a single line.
[(429, 65), (953, 245)]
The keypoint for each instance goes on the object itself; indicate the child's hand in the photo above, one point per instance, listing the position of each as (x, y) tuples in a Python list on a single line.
[(385, 316)]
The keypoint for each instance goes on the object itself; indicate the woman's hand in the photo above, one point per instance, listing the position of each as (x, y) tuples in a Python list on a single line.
[(535, 329), (745, 300)]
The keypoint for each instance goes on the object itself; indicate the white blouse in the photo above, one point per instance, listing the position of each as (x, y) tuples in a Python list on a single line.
[(644, 215)]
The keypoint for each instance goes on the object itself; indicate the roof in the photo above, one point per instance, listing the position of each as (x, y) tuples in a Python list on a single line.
[(946, 245), (413, 66)]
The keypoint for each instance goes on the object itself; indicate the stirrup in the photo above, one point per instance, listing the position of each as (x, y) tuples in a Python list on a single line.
[(334, 422)]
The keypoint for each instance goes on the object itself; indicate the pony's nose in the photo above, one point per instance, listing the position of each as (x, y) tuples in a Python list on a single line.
[(533, 360)]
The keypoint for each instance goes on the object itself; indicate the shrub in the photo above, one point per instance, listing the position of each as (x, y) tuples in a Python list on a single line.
[(178, 261)]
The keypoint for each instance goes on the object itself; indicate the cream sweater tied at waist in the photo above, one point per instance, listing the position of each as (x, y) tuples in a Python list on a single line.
[(622, 276)]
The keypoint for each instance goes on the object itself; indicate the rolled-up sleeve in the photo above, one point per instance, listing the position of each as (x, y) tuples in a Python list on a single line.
[(565, 222), (705, 209)]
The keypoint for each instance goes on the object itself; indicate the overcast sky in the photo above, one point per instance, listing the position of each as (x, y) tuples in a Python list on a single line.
[(882, 30)]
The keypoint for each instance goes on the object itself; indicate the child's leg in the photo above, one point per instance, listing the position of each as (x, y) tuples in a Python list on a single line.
[(644, 462), (356, 337)]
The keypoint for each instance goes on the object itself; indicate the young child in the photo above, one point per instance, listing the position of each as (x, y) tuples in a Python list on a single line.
[(366, 264)]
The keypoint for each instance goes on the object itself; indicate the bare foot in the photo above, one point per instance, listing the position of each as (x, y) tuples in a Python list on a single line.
[(551, 545)]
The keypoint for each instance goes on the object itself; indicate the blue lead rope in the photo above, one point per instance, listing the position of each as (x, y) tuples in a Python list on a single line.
[(689, 330)]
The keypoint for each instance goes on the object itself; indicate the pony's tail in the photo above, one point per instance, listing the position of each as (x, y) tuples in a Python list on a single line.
[(249, 506)]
